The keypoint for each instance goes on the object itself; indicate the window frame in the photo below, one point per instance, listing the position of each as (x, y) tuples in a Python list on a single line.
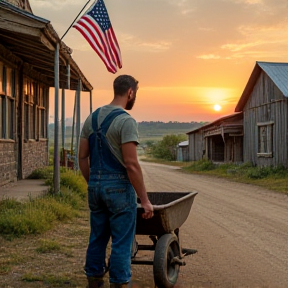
[(7, 102), (265, 139), (34, 105)]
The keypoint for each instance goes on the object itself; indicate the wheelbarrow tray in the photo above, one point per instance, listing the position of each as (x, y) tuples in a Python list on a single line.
[(171, 210)]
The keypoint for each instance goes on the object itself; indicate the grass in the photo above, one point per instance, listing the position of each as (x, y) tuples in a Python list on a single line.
[(37, 234), (41, 214), (273, 178), (50, 279), (48, 246)]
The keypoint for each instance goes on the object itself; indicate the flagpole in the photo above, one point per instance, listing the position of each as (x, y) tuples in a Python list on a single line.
[(75, 20)]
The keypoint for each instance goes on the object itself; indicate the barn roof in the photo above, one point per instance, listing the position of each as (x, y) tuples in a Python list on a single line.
[(32, 40), (277, 72), (234, 119)]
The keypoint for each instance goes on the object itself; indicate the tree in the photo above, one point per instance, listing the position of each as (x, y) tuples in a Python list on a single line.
[(167, 147)]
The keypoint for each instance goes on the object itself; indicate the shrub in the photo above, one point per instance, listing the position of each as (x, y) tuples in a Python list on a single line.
[(202, 165)]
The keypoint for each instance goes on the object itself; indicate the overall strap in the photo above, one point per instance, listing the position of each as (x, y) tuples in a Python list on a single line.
[(109, 119)]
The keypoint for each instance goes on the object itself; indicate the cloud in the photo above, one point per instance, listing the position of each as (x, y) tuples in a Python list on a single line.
[(184, 6), (54, 4), (132, 43), (241, 46), (208, 56)]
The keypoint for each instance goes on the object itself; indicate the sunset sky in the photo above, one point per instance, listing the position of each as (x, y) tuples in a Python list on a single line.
[(188, 55)]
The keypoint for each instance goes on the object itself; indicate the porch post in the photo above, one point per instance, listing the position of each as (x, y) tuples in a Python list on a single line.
[(56, 123), (90, 101), (78, 121), (73, 123), (63, 118)]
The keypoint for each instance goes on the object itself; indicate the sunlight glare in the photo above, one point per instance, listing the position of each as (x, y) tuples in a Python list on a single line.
[(217, 107)]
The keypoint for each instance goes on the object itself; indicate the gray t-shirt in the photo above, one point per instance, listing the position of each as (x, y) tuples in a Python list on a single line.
[(123, 129)]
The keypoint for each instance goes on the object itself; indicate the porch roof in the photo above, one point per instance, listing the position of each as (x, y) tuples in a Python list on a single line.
[(32, 39), (228, 123)]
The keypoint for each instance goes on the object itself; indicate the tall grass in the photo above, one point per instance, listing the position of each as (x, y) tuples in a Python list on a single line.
[(275, 178), (40, 214)]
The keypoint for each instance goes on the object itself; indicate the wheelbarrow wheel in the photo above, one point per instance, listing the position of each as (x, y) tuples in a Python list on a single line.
[(166, 270)]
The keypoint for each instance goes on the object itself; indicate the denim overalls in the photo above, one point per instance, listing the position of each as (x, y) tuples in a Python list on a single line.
[(112, 203)]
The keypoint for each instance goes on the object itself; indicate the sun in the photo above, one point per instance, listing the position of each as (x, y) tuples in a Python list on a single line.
[(217, 107)]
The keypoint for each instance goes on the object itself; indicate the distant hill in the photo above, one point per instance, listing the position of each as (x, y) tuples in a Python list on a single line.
[(153, 130), (156, 130)]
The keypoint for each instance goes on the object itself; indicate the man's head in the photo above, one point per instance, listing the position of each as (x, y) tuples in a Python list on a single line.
[(126, 86)]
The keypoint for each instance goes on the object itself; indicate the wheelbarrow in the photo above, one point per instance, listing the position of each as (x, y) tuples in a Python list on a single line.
[(171, 210)]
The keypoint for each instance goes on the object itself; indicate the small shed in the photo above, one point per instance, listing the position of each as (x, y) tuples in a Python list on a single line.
[(183, 151), (27, 71), (219, 141), (265, 109)]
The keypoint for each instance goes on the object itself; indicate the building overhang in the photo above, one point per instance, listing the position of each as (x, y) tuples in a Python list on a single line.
[(32, 40)]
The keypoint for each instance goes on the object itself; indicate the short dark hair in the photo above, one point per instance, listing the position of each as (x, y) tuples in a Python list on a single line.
[(123, 83)]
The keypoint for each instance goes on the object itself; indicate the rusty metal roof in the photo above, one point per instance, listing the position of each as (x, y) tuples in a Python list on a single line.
[(235, 119), (277, 72), (32, 40)]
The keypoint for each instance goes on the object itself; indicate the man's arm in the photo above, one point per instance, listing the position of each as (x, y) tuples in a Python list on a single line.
[(83, 158), (135, 175)]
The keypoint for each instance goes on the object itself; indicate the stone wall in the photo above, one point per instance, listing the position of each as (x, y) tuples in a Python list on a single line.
[(8, 163), (35, 155)]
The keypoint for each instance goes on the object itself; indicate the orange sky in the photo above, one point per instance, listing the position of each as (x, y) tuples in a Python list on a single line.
[(188, 55)]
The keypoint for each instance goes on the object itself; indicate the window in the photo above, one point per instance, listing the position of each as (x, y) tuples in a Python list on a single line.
[(35, 109), (7, 101), (42, 112), (265, 139)]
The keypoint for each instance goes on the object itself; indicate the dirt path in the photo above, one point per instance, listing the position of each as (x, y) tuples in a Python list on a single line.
[(240, 232)]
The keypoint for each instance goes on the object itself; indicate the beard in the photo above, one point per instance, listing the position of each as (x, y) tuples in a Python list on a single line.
[(130, 104)]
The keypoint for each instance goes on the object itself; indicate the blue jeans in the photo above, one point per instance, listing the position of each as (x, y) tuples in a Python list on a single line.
[(113, 208)]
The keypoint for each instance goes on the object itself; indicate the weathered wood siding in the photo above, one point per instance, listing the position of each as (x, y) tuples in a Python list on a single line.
[(266, 104), (196, 146), (233, 149)]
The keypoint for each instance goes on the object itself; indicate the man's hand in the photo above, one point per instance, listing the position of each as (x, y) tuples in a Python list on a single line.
[(148, 207)]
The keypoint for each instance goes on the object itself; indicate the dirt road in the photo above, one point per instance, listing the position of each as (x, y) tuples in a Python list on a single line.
[(239, 230)]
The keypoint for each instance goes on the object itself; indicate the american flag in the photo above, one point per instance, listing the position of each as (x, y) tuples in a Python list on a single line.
[(96, 28)]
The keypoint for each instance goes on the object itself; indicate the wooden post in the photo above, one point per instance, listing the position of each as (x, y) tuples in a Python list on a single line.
[(63, 118), (90, 101), (56, 124), (78, 121)]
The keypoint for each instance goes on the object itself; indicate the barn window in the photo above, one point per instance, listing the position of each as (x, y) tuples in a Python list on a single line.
[(265, 139), (7, 102)]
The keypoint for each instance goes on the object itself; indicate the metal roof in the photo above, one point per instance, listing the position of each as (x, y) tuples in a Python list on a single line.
[(277, 72), (221, 122), (183, 143), (32, 40)]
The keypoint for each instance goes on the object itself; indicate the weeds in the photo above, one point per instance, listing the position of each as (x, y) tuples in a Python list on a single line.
[(39, 215), (274, 178), (56, 281), (47, 246), (201, 165)]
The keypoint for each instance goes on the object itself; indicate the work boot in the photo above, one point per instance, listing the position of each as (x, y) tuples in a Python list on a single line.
[(118, 285), (95, 282)]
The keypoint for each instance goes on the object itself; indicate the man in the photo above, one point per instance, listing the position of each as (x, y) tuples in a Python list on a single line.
[(108, 161)]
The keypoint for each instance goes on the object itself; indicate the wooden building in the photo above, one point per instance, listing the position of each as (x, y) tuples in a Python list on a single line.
[(265, 108), (183, 151), (27, 58), (219, 141)]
